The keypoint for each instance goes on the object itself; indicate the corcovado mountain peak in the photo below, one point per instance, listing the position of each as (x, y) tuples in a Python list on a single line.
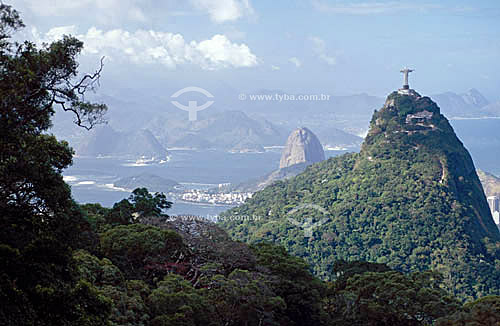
[(411, 199)]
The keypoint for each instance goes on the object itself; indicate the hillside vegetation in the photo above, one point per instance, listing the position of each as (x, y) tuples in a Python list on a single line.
[(410, 199)]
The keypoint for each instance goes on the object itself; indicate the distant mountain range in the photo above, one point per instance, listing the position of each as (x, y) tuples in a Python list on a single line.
[(468, 105), (148, 125), (227, 130), (105, 141), (231, 131)]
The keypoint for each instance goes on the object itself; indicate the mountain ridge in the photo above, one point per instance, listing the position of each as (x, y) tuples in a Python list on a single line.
[(411, 199), (105, 141)]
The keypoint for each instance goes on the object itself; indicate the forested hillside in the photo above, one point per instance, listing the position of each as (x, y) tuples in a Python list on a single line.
[(410, 199)]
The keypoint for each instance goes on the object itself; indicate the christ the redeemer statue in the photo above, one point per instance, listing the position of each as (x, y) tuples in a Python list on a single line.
[(405, 72)]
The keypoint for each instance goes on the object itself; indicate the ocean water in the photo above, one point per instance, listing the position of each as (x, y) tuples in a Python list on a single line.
[(482, 138), (92, 179)]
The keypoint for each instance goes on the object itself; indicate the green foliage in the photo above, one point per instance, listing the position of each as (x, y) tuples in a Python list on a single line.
[(39, 222), (94, 307), (98, 272), (16, 308), (129, 306), (389, 298), (210, 287), (344, 270), (133, 247), (126, 298), (139, 206), (121, 213), (482, 312), (148, 205), (294, 283), (411, 200), (95, 215), (244, 298), (176, 302)]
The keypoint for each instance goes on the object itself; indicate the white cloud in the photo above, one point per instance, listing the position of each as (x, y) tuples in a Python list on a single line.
[(219, 51), (372, 8), (275, 68), (150, 47), (319, 48), (58, 32), (221, 11), (295, 61)]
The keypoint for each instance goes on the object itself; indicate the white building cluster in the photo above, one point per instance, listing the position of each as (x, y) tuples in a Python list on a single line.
[(200, 196), (494, 203)]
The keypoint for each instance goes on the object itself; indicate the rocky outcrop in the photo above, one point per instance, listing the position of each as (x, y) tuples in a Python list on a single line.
[(302, 146), (301, 150)]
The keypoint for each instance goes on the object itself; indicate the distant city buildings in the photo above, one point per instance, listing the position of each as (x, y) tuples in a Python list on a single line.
[(201, 196), (494, 203)]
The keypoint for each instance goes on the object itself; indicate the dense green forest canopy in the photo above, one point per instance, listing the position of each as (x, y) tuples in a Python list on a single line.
[(40, 224), (410, 199)]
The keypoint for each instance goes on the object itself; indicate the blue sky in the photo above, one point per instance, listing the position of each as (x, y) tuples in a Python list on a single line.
[(308, 46)]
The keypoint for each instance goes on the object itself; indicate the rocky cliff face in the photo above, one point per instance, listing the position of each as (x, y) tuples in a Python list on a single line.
[(302, 146), (301, 150)]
